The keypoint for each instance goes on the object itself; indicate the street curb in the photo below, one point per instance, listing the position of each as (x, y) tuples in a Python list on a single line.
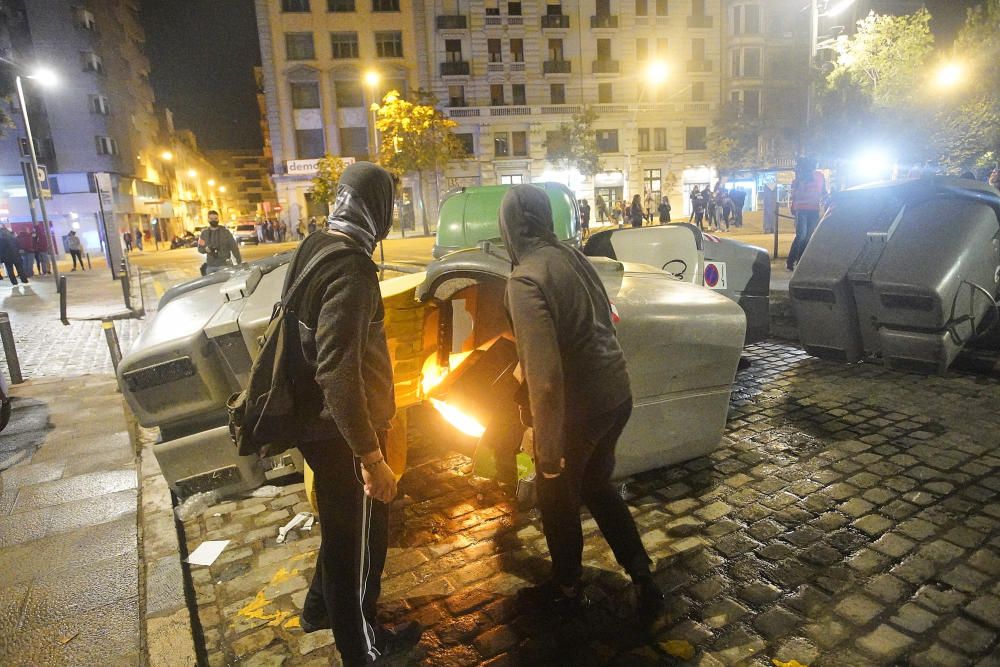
[(166, 631)]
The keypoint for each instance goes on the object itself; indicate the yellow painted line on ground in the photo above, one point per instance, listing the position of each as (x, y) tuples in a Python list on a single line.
[(158, 288)]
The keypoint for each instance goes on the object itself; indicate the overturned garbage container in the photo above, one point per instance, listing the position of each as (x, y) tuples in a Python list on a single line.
[(906, 271)]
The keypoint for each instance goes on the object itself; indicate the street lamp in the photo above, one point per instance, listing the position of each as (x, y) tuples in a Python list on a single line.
[(192, 173), (656, 73), (167, 156), (949, 75), (44, 77), (211, 182), (372, 79)]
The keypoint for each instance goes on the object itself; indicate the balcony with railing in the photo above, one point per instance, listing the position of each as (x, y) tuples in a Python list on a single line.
[(455, 68), (607, 67), (557, 67), (699, 22), (555, 21), (603, 21), (452, 22), (510, 111), (494, 67), (696, 66)]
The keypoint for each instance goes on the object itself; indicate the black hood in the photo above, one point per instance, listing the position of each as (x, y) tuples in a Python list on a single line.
[(363, 207), (526, 221)]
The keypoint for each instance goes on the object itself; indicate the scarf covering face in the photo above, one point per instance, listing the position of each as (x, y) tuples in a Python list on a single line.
[(362, 208)]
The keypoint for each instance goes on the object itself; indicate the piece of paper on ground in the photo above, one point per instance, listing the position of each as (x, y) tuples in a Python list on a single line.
[(207, 552)]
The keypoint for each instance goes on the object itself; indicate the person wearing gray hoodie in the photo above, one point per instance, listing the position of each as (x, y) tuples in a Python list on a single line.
[(344, 411), (579, 395)]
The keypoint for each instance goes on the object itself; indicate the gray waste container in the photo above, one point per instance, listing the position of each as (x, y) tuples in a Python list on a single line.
[(906, 271)]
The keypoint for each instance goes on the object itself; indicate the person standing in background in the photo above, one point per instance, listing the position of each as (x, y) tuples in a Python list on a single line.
[(75, 249), (585, 218), (40, 247), (664, 210), (808, 190)]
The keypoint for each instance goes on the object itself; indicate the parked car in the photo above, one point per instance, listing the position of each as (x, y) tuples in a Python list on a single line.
[(246, 233)]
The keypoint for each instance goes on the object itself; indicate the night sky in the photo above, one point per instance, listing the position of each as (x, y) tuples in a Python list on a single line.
[(203, 53)]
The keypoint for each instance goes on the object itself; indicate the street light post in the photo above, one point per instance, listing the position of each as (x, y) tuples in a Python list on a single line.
[(372, 79), (656, 73), (34, 177)]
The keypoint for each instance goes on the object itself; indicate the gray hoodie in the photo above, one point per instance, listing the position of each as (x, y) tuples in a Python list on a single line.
[(566, 340)]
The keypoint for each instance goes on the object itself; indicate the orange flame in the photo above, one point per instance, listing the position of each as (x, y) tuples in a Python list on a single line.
[(432, 376)]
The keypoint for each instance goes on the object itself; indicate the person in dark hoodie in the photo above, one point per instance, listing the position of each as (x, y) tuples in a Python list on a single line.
[(579, 395), (345, 414)]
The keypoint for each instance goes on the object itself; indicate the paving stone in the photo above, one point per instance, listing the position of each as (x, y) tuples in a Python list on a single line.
[(964, 537), (894, 545), (939, 600), (722, 612), (885, 643), (968, 637), (965, 579), (941, 552), (253, 642), (985, 609), (759, 593), (873, 524), (914, 619), (776, 622), (888, 588), (858, 609), (937, 655)]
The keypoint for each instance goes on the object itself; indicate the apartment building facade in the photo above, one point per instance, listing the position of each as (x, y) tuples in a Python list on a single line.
[(247, 175), (510, 73), (97, 118), (315, 58)]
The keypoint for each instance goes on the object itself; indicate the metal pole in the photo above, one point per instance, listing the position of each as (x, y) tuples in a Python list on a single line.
[(10, 350), (89, 266), (111, 336), (125, 286), (62, 299), (813, 39), (34, 175)]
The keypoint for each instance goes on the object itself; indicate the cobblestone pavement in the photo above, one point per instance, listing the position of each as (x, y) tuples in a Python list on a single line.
[(48, 348), (850, 517)]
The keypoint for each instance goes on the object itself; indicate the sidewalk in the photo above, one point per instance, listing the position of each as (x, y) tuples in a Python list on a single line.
[(74, 587)]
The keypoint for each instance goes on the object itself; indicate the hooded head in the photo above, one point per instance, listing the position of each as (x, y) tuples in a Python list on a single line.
[(526, 221), (363, 207)]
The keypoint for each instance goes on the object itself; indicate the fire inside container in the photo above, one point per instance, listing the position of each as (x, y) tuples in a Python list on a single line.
[(477, 386)]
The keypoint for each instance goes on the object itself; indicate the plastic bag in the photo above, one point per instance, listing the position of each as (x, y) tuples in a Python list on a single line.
[(196, 504)]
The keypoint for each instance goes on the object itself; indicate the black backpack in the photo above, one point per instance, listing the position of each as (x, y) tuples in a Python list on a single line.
[(262, 417)]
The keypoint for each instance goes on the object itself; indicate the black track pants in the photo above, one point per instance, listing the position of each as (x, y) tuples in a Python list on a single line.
[(586, 479), (355, 537)]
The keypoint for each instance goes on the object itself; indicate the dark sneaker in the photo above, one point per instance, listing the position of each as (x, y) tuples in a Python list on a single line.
[(314, 625), (550, 595), (650, 602), (397, 639)]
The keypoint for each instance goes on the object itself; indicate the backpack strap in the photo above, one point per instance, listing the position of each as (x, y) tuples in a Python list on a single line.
[(327, 251)]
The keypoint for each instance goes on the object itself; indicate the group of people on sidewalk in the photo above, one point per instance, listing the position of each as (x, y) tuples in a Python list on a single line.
[(578, 395), (24, 253), (718, 206)]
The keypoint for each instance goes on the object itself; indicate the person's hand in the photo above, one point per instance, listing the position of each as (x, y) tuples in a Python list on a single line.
[(553, 475), (380, 481)]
